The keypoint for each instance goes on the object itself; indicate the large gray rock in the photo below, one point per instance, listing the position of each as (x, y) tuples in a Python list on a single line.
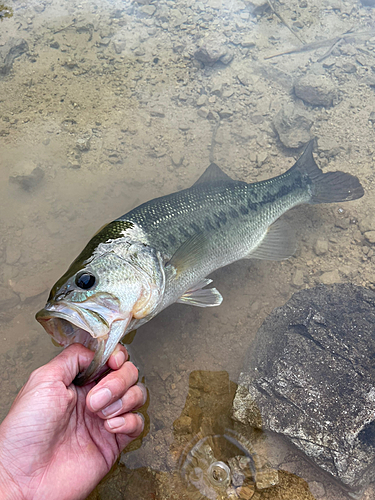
[(311, 378)]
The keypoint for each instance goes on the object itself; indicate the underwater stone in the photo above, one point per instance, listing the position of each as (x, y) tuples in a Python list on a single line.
[(8, 53), (293, 126), (310, 378), (211, 50), (315, 89)]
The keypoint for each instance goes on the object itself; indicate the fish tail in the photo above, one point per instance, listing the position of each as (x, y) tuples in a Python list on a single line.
[(330, 187)]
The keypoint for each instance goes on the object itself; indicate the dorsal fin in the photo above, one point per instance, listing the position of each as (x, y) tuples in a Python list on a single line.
[(213, 173)]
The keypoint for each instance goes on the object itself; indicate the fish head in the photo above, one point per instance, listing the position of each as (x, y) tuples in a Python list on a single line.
[(99, 299)]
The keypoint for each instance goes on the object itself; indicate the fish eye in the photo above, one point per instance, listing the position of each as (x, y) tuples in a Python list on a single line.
[(85, 280)]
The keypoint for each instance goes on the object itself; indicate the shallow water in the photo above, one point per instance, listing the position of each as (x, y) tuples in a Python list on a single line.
[(107, 99)]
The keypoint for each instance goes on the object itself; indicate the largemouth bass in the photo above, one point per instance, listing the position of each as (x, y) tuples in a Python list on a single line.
[(162, 252)]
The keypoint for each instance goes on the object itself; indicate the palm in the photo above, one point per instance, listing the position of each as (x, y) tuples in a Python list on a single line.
[(56, 445)]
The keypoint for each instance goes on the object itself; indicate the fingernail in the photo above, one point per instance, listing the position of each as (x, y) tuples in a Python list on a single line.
[(113, 408), (120, 359), (100, 399), (142, 418), (116, 422), (144, 390)]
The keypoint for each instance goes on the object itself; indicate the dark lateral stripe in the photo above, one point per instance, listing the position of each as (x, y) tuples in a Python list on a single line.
[(233, 213), (283, 190)]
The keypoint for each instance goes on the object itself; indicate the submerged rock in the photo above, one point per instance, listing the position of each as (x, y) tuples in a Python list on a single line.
[(311, 378), (212, 50), (8, 53), (293, 126), (316, 89), (27, 176)]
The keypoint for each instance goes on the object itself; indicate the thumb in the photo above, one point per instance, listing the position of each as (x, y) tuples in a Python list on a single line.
[(66, 365)]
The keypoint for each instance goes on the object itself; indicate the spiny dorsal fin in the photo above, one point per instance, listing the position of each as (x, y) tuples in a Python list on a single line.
[(213, 173)]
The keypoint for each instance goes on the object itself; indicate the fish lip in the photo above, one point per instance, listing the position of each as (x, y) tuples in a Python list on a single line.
[(66, 324)]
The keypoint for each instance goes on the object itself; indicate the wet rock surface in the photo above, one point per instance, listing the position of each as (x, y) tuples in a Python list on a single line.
[(310, 378)]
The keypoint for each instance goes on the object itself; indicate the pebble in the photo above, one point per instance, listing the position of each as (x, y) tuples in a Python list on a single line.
[(202, 99), (321, 246), (183, 425), (367, 224), (149, 10), (317, 489), (370, 236), (315, 89), (258, 6), (245, 492), (177, 159), (83, 144), (330, 277), (297, 279), (203, 112)]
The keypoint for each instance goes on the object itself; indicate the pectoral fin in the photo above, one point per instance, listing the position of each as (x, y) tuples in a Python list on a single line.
[(278, 244), (201, 297), (190, 254)]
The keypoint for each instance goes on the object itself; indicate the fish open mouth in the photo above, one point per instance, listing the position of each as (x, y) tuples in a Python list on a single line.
[(64, 332), (93, 325)]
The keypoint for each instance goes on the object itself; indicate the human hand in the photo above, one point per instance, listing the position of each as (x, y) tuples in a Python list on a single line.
[(58, 440)]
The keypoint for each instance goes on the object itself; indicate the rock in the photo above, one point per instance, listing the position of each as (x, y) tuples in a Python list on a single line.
[(370, 236), (258, 6), (83, 144), (248, 41), (297, 279), (211, 50), (8, 299), (310, 378), (321, 246), (177, 159), (157, 111), (367, 224), (202, 99), (149, 10), (54, 45), (28, 177), (315, 89), (8, 53), (183, 425), (245, 77), (293, 126), (330, 277)]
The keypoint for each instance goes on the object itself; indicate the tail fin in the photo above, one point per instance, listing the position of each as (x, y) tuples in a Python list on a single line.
[(330, 187)]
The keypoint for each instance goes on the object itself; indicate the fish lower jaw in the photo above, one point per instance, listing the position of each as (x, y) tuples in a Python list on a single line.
[(80, 337)]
